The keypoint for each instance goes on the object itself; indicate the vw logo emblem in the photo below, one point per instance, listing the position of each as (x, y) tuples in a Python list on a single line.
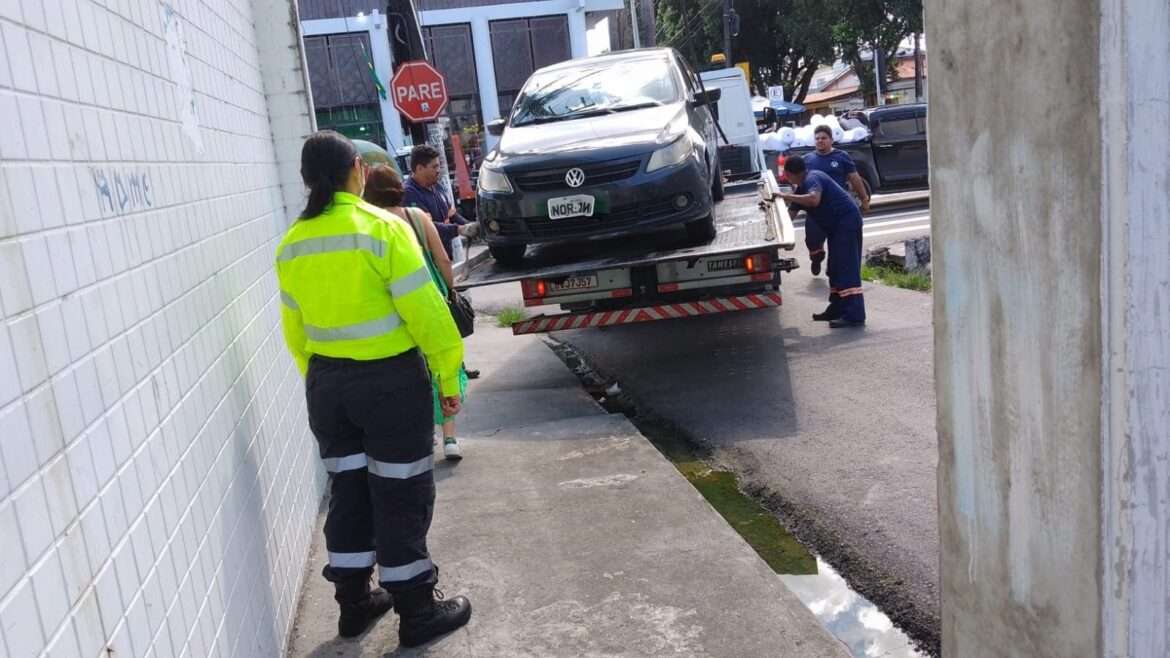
[(575, 177)]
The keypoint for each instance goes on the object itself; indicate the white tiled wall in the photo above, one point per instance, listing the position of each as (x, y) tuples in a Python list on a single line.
[(158, 483)]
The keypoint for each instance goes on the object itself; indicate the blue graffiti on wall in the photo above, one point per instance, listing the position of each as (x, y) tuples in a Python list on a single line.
[(120, 191)]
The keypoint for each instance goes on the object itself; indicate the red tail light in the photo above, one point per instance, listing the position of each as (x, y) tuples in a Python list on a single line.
[(756, 263), (533, 288)]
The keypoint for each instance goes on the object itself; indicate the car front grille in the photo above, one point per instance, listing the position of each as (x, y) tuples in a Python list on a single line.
[(620, 217), (595, 174)]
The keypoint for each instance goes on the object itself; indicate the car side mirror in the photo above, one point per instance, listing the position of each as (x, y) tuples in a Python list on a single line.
[(708, 96), (496, 128)]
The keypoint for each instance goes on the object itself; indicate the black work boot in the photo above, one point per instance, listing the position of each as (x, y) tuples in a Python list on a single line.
[(360, 606), (828, 315), (424, 615)]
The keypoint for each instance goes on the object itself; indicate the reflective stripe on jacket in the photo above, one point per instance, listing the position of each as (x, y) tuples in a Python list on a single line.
[(353, 285)]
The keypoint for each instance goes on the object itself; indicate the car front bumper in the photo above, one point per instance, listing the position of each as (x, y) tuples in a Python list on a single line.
[(643, 202)]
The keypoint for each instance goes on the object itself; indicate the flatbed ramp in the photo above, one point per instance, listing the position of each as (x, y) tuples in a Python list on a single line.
[(660, 275), (740, 224)]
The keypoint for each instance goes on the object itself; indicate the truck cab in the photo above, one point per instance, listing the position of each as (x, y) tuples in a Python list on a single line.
[(893, 158), (898, 145), (742, 156)]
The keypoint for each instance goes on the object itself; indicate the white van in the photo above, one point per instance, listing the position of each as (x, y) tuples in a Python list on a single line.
[(742, 156)]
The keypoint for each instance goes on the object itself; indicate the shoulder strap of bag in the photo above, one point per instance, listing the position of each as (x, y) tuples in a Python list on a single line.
[(418, 230)]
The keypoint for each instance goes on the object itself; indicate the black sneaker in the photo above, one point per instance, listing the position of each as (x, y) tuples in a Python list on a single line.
[(815, 267), (472, 374), (425, 615)]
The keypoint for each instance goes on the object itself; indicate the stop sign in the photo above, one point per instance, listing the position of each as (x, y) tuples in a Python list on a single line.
[(419, 91)]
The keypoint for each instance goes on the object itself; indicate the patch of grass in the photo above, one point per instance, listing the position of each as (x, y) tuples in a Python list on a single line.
[(893, 276), (762, 530), (510, 316)]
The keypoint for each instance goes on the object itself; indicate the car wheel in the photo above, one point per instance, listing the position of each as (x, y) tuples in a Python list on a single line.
[(717, 184), (702, 231), (508, 255)]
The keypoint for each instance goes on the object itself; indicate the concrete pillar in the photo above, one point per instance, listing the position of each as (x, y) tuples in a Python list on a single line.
[(578, 42), (485, 72), (383, 59), (1050, 153)]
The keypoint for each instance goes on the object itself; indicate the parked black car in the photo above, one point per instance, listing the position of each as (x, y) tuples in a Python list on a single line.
[(894, 156), (598, 148)]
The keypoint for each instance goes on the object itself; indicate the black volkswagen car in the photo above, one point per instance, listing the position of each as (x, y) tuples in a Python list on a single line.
[(599, 148)]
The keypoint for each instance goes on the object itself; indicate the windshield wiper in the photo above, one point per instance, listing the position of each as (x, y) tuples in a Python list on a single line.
[(592, 112), (635, 106), (565, 117)]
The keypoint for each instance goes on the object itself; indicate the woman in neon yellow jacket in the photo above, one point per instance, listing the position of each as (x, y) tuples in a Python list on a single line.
[(369, 329)]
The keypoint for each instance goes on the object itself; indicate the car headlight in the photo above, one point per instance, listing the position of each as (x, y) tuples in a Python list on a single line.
[(493, 180), (672, 155)]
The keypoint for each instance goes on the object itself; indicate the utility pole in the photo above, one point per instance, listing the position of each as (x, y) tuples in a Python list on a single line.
[(650, 22), (878, 71), (917, 68), (727, 32), (634, 23)]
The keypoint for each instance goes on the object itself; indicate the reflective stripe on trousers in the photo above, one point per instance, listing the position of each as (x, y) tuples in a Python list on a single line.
[(365, 559), (405, 572), (379, 468)]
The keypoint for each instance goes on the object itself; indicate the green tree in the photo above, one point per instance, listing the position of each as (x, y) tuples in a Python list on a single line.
[(861, 25), (783, 40)]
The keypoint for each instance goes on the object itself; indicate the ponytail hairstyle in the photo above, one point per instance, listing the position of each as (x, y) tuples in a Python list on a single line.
[(326, 160)]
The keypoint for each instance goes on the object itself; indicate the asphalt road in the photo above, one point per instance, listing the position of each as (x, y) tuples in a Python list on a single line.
[(836, 428)]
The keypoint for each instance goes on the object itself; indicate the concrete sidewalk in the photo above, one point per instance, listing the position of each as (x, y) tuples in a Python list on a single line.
[(573, 536)]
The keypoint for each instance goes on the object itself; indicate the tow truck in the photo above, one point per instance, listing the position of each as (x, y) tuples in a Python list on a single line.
[(658, 276)]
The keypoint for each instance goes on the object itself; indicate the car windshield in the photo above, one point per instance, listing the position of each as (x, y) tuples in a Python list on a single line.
[(598, 88)]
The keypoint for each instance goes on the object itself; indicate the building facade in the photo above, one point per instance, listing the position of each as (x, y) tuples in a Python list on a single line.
[(158, 483), (485, 49)]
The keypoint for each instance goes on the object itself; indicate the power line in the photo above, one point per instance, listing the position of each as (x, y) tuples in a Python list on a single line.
[(659, 33), (697, 18), (685, 33)]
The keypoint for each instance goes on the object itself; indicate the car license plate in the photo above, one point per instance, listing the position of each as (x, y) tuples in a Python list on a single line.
[(573, 283), (563, 207)]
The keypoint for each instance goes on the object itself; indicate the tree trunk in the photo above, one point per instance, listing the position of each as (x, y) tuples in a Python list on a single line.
[(801, 90)]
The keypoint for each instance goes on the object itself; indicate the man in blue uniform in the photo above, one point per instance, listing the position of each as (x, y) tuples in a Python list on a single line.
[(423, 192), (839, 166), (831, 208)]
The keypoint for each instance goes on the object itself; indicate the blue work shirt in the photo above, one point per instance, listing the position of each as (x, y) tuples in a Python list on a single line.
[(837, 164), (836, 209), (434, 203)]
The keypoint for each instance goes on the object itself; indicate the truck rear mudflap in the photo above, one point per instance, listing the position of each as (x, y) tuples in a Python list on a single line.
[(650, 313)]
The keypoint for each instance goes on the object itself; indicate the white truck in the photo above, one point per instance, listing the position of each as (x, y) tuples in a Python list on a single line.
[(658, 276), (743, 155)]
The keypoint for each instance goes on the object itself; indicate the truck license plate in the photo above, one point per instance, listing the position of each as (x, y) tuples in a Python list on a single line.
[(573, 283), (563, 207)]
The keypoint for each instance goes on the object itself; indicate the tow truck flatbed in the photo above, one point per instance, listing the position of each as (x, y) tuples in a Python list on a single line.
[(658, 275)]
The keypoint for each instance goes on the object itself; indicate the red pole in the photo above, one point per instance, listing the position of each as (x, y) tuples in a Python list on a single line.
[(462, 175)]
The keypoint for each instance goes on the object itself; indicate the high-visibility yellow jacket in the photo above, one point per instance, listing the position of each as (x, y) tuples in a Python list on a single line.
[(353, 285)]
